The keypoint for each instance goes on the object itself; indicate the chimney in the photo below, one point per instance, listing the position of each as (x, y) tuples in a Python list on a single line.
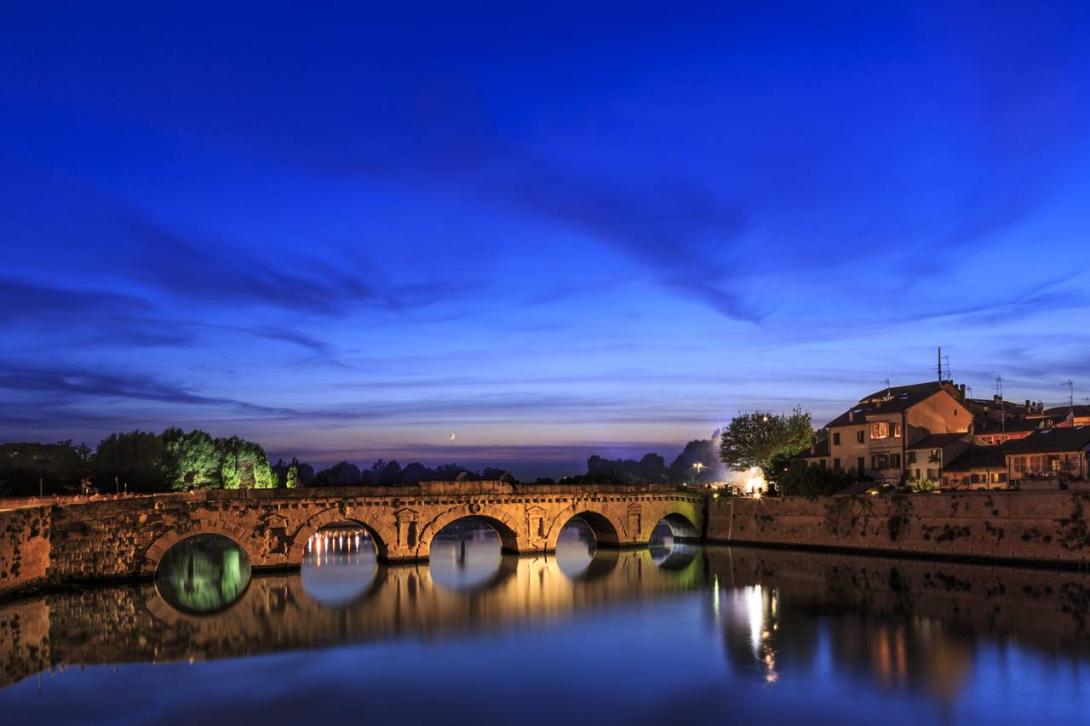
[(961, 389), (851, 415)]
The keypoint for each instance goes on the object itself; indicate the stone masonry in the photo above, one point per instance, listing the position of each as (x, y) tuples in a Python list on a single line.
[(119, 537)]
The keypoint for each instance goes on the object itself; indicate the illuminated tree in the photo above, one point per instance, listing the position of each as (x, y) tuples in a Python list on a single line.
[(752, 439), (292, 479), (193, 459), (243, 465)]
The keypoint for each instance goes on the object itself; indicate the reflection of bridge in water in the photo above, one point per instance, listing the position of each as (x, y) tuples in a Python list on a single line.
[(276, 613), (911, 625)]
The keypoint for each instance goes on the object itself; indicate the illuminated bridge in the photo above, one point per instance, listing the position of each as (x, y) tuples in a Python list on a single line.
[(116, 537)]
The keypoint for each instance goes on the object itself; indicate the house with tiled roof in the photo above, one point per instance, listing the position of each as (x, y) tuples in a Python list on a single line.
[(926, 458), (978, 467), (873, 437), (1058, 453)]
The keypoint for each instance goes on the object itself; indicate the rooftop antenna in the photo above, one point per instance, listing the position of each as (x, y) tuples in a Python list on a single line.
[(886, 381), (949, 375), (940, 365), (1070, 392), (1002, 404)]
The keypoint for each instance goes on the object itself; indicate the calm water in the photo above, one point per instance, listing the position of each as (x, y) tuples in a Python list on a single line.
[(670, 634)]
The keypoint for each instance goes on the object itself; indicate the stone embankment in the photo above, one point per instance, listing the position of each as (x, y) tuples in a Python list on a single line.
[(1038, 527)]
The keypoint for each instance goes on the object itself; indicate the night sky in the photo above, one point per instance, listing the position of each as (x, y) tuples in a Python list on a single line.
[(553, 233)]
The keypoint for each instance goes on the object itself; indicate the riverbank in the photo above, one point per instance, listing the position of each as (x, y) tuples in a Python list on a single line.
[(1049, 528)]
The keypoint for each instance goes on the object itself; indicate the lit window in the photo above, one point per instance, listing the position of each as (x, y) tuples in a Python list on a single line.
[(879, 430), (896, 430)]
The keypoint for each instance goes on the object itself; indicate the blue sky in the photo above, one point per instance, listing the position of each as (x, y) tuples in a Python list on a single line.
[(551, 231)]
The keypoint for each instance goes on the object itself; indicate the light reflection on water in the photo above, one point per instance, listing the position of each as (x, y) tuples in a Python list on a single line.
[(203, 574), (676, 633), (339, 564)]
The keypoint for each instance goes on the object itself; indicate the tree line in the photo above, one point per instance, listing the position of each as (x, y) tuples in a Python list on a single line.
[(773, 442), (135, 461), (177, 460)]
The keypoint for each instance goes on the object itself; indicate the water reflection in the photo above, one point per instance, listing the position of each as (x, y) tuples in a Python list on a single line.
[(203, 574), (466, 555), (669, 551), (339, 564), (576, 548), (771, 634)]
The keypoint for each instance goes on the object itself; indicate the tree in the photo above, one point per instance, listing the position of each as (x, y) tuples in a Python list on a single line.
[(342, 474), (389, 475), (651, 469), (697, 462), (794, 476), (137, 459), (291, 481), (193, 459), (752, 439), (243, 465)]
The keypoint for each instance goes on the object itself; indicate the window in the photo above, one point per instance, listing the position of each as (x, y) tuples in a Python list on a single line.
[(879, 461), (879, 430), (824, 463), (896, 430), (932, 474), (912, 457), (1019, 463), (894, 461), (859, 437), (836, 464), (1001, 477), (836, 438)]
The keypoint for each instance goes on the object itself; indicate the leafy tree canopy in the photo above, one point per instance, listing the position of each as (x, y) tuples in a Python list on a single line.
[(753, 439)]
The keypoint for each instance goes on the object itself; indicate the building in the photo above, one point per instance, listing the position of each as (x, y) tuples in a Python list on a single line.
[(873, 437), (1054, 454), (926, 459), (1060, 416), (978, 467), (992, 433)]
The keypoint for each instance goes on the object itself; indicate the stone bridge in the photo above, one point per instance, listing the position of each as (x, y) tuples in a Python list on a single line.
[(117, 537)]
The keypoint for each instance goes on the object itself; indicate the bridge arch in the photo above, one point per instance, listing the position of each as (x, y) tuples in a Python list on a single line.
[(324, 519), (680, 526), (155, 552), (505, 525), (606, 530)]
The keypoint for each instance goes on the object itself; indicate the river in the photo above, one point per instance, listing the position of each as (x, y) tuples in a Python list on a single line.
[(674, 633)]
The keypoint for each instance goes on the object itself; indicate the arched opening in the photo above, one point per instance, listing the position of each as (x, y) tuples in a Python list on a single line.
[(586, 547), (203, 574), (471, 553), (673, 542), (339, 564), (575, 548)]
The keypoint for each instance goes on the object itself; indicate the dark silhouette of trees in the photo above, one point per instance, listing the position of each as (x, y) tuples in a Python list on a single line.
[(792, 475), (26, 469), (135, 461), (342, 474)]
